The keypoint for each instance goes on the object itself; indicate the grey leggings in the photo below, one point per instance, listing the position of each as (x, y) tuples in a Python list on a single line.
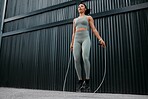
[(82, 42)]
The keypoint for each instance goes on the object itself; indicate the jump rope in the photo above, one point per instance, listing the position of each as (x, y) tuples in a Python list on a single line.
[(103, 74)]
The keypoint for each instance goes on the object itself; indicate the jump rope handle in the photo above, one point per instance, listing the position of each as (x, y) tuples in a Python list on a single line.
[(99, 43)]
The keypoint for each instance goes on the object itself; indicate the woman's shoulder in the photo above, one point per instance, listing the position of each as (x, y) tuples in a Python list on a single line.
[(74, 20), (89, 17)]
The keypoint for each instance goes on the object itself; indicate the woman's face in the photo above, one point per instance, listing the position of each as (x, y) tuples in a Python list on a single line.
[(81, 8)]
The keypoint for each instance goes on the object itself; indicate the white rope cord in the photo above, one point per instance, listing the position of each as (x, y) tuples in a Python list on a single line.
[(102, 78), (67, 72), (104, 72)]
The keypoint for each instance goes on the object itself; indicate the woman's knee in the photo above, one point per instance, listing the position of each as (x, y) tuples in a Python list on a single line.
[(85, 58), (77, 59)]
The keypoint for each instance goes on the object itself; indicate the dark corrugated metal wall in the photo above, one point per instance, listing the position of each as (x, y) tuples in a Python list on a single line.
[(39, 58), (1, 9), (1, 18)]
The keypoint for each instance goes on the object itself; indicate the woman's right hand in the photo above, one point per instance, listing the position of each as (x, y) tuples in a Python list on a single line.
[(71, 47)]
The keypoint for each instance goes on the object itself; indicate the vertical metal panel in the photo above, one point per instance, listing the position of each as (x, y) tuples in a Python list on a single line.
[(1, 9), (97, 6), (41, 19), (125, 64), (39, 59), (2, 17), (41, 56), (17, 7)]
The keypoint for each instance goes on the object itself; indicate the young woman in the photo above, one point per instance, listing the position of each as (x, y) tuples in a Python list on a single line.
[(81, 41)]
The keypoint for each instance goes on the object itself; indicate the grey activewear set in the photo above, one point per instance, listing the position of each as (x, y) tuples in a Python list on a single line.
[(82, 42)]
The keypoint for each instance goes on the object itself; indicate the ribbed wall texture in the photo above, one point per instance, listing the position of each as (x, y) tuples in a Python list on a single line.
[(2, 3), (39, 59), (126, 54), (40, 19), (106, 5), (1, 10), (17, 7)]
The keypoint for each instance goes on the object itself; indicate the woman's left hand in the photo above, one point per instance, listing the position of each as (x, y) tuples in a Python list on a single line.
[(102, 43)]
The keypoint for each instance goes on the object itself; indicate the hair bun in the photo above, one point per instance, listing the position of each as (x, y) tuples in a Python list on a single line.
[(87, 11)]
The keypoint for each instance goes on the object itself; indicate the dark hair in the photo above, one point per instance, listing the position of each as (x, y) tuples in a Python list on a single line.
[(87, 10)]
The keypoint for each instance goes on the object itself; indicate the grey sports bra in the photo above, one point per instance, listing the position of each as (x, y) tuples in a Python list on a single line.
[(82, 22)]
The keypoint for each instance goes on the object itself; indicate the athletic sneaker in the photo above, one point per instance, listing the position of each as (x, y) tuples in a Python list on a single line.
[(86, 86), (79, 85)]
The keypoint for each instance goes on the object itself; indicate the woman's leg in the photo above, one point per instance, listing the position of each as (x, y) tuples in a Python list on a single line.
[(77, 55), (85, 54)]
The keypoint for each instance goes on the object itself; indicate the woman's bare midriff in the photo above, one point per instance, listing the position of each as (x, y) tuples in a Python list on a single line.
[(81, 29)]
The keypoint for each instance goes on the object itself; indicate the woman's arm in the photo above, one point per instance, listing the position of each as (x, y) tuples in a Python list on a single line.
[(73, 34), (94, 30)]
